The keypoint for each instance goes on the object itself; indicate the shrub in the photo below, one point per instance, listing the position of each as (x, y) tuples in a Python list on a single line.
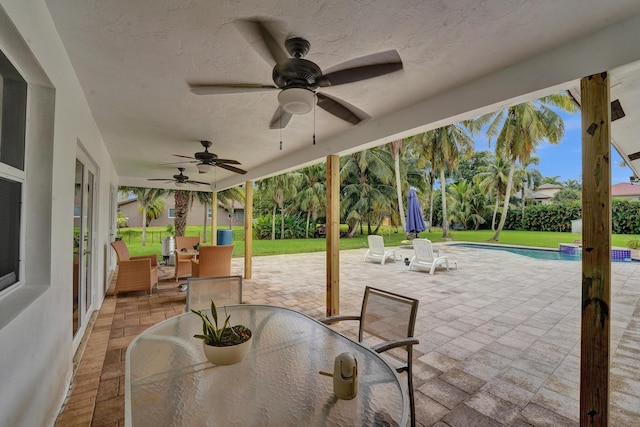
[(633, 243)]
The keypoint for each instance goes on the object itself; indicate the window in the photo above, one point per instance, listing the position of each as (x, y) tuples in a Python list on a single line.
[(13, 112), (172, 212), (209, 213), (239, 216)]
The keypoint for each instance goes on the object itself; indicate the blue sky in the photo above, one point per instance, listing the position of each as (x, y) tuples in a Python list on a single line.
[(565, 159)]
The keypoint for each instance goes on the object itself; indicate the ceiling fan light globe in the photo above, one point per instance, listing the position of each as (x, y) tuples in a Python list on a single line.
[(297, 100), (204, 167)]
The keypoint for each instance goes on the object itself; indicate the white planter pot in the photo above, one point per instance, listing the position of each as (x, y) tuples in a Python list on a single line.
[(226, 355)]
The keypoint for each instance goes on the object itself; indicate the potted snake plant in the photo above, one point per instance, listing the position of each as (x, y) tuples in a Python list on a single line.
[(223, 345)]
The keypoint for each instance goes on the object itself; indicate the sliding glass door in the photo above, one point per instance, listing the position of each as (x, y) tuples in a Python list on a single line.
[(83, 213)]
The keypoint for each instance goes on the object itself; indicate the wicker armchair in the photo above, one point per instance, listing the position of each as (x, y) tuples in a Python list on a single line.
[(183, 261), (212, 261), (138, 273)]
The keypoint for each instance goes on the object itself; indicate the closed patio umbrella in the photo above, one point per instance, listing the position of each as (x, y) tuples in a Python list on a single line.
[(415, 221)]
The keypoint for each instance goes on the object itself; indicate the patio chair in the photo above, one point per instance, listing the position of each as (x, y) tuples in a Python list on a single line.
[(183, 261), (138, 273), (377, 251), (223, 290), (387, 322), (212, 261), (424, 256)]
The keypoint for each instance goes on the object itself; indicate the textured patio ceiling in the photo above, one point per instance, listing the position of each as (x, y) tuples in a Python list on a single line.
[(461, 58)]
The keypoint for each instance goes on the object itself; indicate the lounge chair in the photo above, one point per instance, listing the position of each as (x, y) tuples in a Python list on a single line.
[(377, 251), (424, 256)]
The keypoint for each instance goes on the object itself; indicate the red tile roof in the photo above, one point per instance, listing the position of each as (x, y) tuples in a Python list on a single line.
[(625, 189)]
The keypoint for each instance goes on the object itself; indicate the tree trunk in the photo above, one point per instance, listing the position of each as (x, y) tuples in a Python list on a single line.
[(403, 220), (232, 212), (352, 232), (143, 241), (430, 202), (495, 212), (306, 230), (181, 207), (282, 222), (523, 206), (445, 220), (505, 206), (273, 223), (206, 219)]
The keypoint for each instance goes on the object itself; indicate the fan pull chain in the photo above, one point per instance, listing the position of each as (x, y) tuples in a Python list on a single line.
[(314, 124), (280, 131)]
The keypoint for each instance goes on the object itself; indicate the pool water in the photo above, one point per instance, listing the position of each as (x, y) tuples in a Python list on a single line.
[(549, 254)]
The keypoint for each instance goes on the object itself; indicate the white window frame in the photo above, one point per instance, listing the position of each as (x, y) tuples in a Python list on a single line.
[(19, 176), (169, 213)]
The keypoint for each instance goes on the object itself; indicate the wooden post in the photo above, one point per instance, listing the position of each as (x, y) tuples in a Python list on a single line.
[(214, 218), (248, 228), (333, 235), (596, 250)]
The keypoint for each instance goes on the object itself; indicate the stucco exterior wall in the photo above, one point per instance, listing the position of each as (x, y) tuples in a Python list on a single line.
[(37, 344)]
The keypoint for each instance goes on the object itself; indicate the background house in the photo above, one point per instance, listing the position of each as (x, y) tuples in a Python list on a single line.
[(626, 191), (129, 209)]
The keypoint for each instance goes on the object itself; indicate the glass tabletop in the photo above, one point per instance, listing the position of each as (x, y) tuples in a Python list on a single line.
[(169, 382)]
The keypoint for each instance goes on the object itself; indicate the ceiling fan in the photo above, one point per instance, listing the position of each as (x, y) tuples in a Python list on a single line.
[(179, 179), (298, 79), (205, 160)]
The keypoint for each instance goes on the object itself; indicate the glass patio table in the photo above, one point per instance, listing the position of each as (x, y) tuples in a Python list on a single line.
[(169, 382)]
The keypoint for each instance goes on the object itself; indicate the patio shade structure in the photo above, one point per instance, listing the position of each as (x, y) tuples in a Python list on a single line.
[(415, 221)]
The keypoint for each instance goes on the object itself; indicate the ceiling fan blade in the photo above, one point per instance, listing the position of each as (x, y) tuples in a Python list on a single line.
[(184, 157), (196, 182), (262, 41), (178, 163), (232, 168), (280, 119), (160, 179), (341, 109), (229, 161), (362, 68), (223, 89)]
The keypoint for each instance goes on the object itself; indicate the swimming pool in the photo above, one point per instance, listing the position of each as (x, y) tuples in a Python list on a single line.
[(549, 254)]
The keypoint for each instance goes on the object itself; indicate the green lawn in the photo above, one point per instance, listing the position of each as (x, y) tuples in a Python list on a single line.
[(391, 235)]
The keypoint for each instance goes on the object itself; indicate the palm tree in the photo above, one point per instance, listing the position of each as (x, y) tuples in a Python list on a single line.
[(146, 197), (311, 197), (281, 188), (444, 147), (228, 197), (205, 198), (524, 178), (463, 203), (367, 193), (153, 211), (182, 200), (425, 159), (396, 148), (492, 179), (518, 131)]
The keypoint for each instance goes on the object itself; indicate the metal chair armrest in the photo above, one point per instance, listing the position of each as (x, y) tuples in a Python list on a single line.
[(333, 319), (388, 345)]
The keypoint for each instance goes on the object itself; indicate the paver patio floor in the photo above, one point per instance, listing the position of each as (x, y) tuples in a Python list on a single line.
[(499, 335)]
